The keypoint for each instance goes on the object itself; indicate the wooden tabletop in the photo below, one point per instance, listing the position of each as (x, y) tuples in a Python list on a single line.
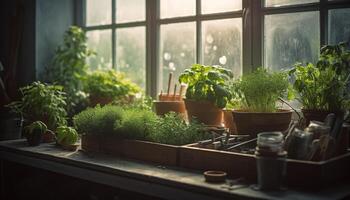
[(149, 179)]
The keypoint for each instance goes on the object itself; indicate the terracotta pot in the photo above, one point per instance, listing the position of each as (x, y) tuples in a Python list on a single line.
[(204, 111), (48, 137), (163, 107), (314, 115), (94, 100), (90, 143), (229, 122), (253, 123)]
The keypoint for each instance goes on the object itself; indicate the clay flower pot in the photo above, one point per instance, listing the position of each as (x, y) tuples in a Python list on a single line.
[(204, 111), (229, 122), (163, 107), (314, 115), (253, 123), (94, 100)]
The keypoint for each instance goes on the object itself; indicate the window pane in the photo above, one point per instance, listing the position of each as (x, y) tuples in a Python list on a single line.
[(177, 8), (222, 44), (100, 41), (291, 38), (210, 6), (339, 25), (124, 8), (177, 50), (98, 12), (276, 3), (131, 57)]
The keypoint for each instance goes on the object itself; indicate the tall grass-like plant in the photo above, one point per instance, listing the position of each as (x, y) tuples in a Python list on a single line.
[(260, 90)]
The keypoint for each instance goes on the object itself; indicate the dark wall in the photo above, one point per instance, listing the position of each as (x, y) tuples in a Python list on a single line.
[(44, 22), (53, 18)]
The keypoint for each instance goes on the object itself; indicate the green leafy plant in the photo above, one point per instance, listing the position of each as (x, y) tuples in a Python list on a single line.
[(135, 124), (143, 103), (66, 135), (98, 120), (207, 83), (173, 129), (68, 66), (109, 84), (260, 90), (42, 102), (36, 126), (326, 85)]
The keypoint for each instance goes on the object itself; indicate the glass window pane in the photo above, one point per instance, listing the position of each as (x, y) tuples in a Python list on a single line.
[(339, 25), (98, 12), (100, 41), (291, 38), (277, 3), (177, 50), (177, 8), (222, 44), (124, 8), (210, 6), (131, 50)]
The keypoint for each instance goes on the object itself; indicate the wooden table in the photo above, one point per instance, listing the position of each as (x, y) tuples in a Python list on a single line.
[(148, 179)]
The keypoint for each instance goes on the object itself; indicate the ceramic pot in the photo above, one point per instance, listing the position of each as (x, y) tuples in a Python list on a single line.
[(163, 107), (205, 112)]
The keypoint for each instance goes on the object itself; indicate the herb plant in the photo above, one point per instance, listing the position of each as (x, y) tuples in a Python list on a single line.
[(326, 85), (260, 90), (42, 102), (207, 83), (66, 135), (135, 124), (173, 129), (98, 120), (109, 84), (69, 66)]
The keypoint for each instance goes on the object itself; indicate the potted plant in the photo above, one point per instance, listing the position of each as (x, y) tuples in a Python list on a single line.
[(34, 132), (207, 92), (42, 102), (67, 137), (324, 88), (259, 92), (135, 133), (69, 66), (106, 86)]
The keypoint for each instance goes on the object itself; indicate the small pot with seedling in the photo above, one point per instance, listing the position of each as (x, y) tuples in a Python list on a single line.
[(207, 92), (259, 93), (34, 133), (67, 138)]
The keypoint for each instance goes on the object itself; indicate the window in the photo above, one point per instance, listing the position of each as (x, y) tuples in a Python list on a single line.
[(151, 38), (203, 31), (118, 36)]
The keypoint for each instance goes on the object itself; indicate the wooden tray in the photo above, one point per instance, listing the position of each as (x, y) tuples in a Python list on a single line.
[(299, 173), (132, 149)]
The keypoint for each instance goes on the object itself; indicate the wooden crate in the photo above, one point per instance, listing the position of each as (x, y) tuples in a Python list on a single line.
[(299, 173), (133, 149)]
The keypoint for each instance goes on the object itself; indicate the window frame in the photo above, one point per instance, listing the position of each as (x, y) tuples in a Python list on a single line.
[(253, 13)]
